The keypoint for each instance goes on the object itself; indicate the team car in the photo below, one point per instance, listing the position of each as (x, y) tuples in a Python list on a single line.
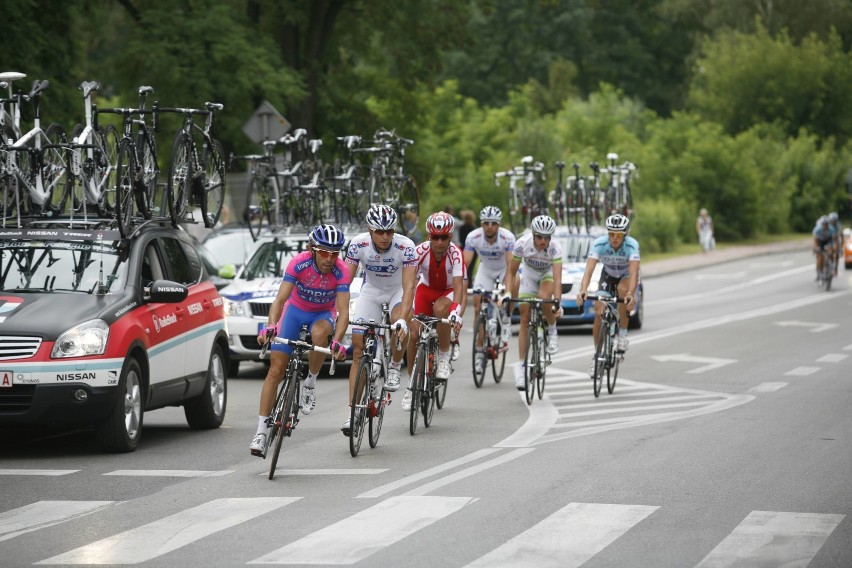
[(96, 330), (575, 249), (249, 296), (847, 248)]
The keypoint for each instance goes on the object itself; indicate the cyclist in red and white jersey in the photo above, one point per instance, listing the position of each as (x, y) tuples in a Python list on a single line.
[(440, 291)]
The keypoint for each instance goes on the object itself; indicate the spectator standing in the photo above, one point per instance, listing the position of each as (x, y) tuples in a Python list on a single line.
[(704, 228)]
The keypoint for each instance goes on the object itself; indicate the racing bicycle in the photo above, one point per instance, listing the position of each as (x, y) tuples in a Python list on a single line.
[(827, 273), (369, 399), (426, 390), (285, 412), (487, 335), (537, 359), (607, 357)]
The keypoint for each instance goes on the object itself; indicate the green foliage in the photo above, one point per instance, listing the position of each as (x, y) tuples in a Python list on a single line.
[(657, 225)]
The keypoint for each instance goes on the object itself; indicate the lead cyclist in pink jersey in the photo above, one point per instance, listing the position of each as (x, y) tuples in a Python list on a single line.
[(314, 292)]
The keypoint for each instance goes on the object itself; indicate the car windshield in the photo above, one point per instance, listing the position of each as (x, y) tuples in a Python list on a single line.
[(229, 247), (271, 258), (41, 266)]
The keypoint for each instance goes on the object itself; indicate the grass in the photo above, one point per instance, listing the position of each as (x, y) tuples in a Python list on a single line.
[(685, 249)]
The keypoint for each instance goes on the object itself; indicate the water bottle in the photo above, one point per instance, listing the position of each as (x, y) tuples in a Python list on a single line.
[(492, 331)]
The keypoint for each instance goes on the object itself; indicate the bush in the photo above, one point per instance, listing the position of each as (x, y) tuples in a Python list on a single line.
[(657, 225)]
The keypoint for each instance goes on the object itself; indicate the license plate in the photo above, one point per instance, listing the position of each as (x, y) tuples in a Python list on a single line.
[(6, 379)]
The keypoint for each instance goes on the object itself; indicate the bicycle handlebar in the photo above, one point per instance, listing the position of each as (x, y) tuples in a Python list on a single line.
[(606, 298), (308, 347)]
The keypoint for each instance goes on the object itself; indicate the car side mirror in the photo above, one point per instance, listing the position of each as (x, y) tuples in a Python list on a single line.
[(166, 292), (228, 271)]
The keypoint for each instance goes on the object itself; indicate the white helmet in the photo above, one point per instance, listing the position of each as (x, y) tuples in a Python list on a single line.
[(543, 225), (490, 213), (381, 217), (617, 223)]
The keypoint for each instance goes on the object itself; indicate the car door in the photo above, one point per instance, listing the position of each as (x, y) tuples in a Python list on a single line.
[(167, 352)]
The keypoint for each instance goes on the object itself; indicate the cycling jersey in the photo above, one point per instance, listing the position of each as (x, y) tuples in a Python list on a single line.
[(492, 256), (312, 291), (823, 234), (382, 270), (439, 275), (615, 262), (534, 260)]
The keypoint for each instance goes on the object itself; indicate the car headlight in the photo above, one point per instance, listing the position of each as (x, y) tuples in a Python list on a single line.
[(88, 338), (233, 308)]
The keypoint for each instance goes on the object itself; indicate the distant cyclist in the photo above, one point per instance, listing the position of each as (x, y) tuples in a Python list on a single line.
[(824, 240), (541, 257), (439, 293), (619, 255), (313, 292), (494, 246), (390, 274), (834, 223)]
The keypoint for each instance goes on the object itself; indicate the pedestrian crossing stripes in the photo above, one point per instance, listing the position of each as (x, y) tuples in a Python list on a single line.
[(569, 409), (567, 538)]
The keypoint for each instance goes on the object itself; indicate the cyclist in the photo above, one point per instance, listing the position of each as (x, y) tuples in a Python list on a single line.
[(439, 293), (619, 255), (824, 239), (541, 257), (494, 246), (834, 223), (390, 273), (314, 291)]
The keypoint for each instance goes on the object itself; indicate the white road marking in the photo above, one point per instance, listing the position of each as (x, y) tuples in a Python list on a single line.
[(710, 363), (802, 371), (48, 472), (767, 538), (813, 327), (328, 471), (832, 358), (170, 533), (45, 514), (355, 538), (473, 470), (379, 491), (567, 538), (168, 473), (724, 276), (767, 387)]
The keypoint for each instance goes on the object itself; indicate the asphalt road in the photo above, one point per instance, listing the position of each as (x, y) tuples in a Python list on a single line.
[(727, 442)]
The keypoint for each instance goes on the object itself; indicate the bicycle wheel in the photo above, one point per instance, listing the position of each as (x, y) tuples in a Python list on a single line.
[(440, 392), (541, 365), (109, 144), (612, 372), (54, 170), (407, 200), (479, 335), (180, 177), (417, 382), (146, 185), (124, 194), (498, 364), (530, 359), (213, 183), (600, 358), (376, 420), (285, 419), (358, 408), (828, 271)]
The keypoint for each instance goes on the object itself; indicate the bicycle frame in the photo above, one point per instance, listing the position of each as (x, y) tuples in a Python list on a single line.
[(11, 119), (536, 357), (487, 334), (606, 357), (424, 390)]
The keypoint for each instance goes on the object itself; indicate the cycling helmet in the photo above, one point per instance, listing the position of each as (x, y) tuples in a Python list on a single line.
[(440, 223), (543, 225), (822, 220), (833, 216), (381, 217), (490, 213), (327, 237), (617, 223)]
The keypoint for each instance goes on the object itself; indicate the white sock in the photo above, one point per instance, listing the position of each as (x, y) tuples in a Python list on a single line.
[(622, 333), (551, 329), (443, 355), (311, 380), (262, 425), (396, 364)]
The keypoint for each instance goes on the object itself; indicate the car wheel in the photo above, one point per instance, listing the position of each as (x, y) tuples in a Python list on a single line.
[(121, 430), (207, 410), (233, 368)]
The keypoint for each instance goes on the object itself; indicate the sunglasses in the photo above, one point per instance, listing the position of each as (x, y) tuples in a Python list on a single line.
[(613, 234), (327, 253), (542, 237), (383, 231), (439, 237), (489, 223)]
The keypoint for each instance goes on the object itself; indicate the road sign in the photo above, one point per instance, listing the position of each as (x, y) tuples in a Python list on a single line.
[(266, 124)]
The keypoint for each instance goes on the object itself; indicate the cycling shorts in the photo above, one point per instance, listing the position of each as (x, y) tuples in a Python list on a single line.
[(531, 280), (609, 283), (292, 320), (368, 306), (425, 298)]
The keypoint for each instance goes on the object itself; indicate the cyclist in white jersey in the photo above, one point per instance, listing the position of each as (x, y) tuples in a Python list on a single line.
[(494, 246), (390, 274), (541, 257), (619, 255)]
